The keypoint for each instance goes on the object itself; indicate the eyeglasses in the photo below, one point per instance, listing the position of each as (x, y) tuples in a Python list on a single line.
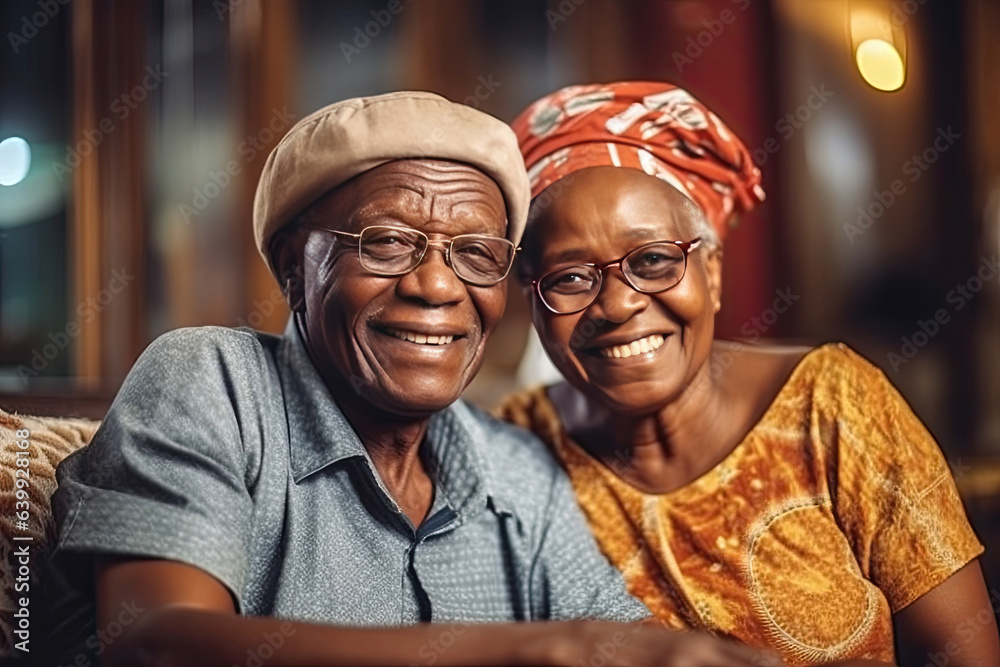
[(654, 267), (476, 259)]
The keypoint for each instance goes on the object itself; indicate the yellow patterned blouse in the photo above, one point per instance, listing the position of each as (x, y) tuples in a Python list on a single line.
[(836, 510)]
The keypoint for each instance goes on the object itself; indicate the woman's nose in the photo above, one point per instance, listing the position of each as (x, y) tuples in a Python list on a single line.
[(618, 301)]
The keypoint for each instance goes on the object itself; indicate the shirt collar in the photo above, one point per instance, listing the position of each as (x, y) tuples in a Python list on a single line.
[(320, 435), (318, 432)]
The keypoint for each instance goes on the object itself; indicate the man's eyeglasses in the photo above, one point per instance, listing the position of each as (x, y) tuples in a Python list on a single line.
[(477, 259), (654, 267)]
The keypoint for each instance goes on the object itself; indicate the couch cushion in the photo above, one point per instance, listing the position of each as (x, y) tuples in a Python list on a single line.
[(50, 440)]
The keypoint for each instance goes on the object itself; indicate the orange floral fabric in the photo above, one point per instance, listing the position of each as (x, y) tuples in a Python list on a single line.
[(652, 126), (835, 511)]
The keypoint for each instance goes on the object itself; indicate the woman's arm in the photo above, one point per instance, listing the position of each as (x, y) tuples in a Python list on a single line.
[(953, 624), (186, 617)]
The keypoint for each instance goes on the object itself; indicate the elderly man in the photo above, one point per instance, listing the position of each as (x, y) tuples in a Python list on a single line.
[(255, 498)]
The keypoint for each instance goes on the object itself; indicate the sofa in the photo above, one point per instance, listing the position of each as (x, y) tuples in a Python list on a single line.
[(49, 440)]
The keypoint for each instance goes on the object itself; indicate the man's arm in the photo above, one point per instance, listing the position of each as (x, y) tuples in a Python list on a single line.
[(188, 619)]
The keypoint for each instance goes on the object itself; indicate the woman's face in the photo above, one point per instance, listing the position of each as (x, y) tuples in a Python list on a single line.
[(599, 215)]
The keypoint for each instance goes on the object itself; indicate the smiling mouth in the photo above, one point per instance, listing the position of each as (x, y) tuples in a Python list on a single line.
[(636, 347), (419, 338)]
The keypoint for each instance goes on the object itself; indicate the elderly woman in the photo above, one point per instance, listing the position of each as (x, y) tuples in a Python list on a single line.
[(297, 500), (785, 497)]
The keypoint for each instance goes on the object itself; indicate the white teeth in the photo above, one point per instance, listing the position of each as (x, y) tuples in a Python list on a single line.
[(636, 347), (421, 339)]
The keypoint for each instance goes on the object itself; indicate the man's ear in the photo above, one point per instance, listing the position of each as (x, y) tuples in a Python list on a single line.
[(713, 269), (286, 258)]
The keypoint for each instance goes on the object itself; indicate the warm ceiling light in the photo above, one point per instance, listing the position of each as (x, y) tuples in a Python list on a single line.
[(878, 43), (15, 160), (880, 64)]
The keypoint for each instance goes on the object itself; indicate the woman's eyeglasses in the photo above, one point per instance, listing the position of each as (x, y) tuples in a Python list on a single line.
[(654, 267), (477, 259)]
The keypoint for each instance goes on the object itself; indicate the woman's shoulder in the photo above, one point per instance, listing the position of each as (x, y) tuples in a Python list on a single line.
[(830, 379), (531, 409), (830, 363), (836, 366)]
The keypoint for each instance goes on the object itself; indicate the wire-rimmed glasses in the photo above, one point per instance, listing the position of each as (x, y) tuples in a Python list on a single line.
[(477, 259), (650, 268)]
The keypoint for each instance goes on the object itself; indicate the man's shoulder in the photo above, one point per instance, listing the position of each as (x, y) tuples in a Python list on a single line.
[(209, 346), (213, 339), (204, 359)]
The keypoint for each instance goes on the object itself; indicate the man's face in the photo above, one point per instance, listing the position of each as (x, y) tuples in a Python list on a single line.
[(369, 335)]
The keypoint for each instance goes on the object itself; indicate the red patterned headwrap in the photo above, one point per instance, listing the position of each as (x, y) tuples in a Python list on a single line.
[(655, 127)]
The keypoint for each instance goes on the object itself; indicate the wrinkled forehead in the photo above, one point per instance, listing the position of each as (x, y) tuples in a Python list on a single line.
[(608, 206), (417, 190)]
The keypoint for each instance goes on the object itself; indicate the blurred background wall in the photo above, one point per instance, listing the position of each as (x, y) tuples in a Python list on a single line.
[(148, 123)]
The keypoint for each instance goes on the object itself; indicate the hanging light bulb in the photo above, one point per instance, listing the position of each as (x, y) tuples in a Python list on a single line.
[(878, 43), (880, 64), (15, 160)]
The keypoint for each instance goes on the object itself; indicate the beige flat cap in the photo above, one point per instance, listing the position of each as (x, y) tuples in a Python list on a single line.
[(340, 141)]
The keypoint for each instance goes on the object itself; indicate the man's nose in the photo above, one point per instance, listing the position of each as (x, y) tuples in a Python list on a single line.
[(433, 280)]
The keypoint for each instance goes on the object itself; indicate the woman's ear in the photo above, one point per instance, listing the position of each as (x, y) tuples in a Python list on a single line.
[(527, 292), (286, 254), (520, 274), (713, 269)]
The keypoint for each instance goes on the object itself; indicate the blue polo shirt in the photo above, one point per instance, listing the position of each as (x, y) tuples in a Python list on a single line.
[(225, 450)]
